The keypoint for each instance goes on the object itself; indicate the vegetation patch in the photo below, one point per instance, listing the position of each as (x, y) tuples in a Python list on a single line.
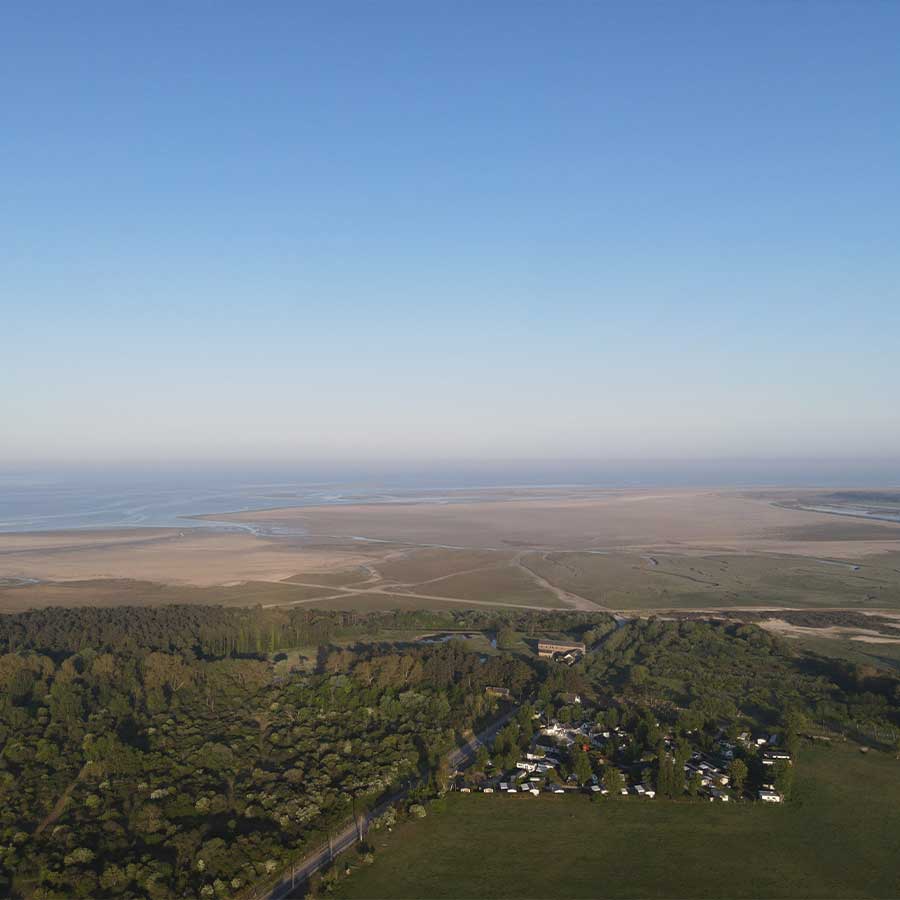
[(504, 584), (425, 564), (838, 837), (669, 581)]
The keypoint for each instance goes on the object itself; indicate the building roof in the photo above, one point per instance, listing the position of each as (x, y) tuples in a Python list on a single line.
[(560, 643)]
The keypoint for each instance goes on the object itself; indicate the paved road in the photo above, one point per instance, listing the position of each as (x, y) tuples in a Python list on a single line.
[(349, 835)]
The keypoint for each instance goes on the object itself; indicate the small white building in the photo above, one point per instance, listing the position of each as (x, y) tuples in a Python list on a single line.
[(770, 796)]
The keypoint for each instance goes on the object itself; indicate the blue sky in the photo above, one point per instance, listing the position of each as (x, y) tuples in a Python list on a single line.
[(388, 230)]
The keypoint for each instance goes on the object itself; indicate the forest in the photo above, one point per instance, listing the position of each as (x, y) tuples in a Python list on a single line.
[(162, 752), (215, 631), (128, 770)]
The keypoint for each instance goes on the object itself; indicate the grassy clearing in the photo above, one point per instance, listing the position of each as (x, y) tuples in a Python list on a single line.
[(839, 837)]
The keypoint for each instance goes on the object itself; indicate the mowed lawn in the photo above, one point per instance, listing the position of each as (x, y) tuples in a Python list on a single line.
[(839, 837)]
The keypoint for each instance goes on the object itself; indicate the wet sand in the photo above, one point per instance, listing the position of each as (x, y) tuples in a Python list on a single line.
[(683, 522), (677, 521)]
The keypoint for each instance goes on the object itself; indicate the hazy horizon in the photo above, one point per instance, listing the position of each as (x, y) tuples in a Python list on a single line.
[(451, 473), (392, 392), (411, 231)]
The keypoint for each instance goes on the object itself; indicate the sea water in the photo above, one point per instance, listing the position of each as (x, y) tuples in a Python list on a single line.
[(121, 497)]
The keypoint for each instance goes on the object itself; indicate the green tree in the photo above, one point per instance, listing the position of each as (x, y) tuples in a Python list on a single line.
[(695, 784), (582, 766), (682, 755), (442, 776), (638, 675), (613, 781), (737, 771), (506, 638), (662, 787), (784, 778)]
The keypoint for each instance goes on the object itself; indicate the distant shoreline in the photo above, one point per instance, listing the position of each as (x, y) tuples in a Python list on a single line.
[(241, 519), (580, 549), (70, 503)]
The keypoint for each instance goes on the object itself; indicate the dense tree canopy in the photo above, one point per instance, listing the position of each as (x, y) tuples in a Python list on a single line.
[(144, 771), (162, 752)]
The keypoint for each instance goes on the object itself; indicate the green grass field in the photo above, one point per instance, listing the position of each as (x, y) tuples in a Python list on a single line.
[(128, 592), (839, 837), (425, 564), (503, 584), (671, 581)]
